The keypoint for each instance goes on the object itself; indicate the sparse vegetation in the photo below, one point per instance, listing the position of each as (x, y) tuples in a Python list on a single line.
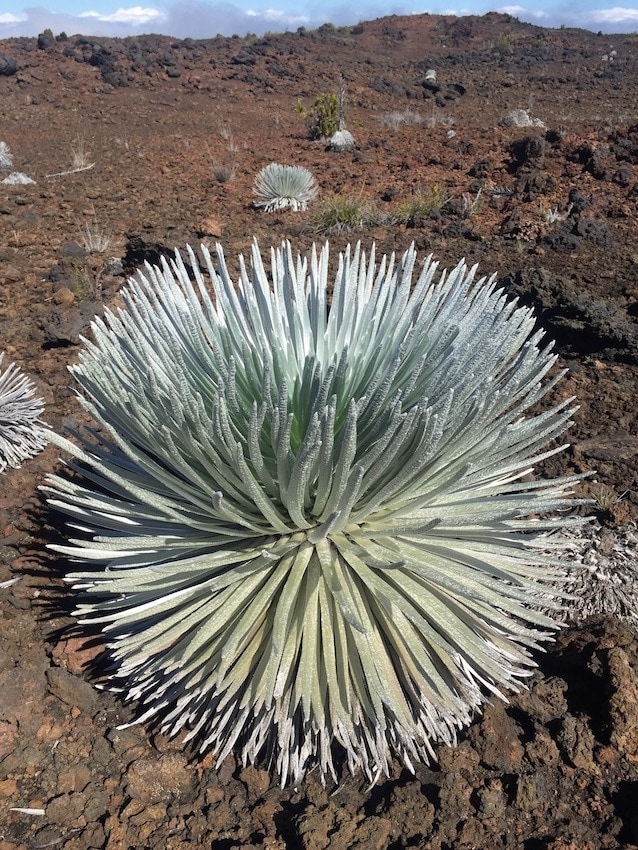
[(344, 213), (226, 133), (80, 157), (472, 205), (398, 118), (224, 172), (606, 498), (555, 214), (95, 240), (87, 281), (420, 206)]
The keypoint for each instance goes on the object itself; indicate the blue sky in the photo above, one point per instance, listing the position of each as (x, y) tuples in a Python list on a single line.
[(206, 18)]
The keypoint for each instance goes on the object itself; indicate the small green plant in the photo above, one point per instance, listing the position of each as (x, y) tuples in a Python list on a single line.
[(307, 521), (21, 429), (87, 282), (324, 118), (422, 205), (224, 172), (344, 213), (503, 43), (606, 497), (280, 186)]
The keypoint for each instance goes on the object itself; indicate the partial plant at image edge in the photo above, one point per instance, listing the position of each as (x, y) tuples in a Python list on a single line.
[(21, 429), (308, 528)]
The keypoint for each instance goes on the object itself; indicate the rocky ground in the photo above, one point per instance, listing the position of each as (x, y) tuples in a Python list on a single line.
[(174, 133)]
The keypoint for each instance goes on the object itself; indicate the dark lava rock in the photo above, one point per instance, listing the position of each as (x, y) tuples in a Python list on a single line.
[(578, 321), (46, 40), (8, 66)]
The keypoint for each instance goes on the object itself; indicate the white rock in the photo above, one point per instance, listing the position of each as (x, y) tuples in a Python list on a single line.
[(520, 118), (343, 140)]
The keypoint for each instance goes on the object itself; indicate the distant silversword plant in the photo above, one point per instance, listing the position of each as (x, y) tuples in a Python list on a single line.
[(279, 186), (6, 158), (310, 522), (21, 431)]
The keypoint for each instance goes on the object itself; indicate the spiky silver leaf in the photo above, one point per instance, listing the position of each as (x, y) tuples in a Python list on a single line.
[(280, 186), (310, 523), (21, 431)]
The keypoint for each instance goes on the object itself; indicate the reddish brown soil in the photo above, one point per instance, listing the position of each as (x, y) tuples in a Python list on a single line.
[(558, 767)]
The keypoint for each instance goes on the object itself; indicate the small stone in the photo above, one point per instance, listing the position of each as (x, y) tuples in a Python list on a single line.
[(153, 780), (8, 787), (72, 249), (210, 227), (65, 808), (257, 781), (8, 735), (76, 653), (63, 297), (22, 695), (74, 779)]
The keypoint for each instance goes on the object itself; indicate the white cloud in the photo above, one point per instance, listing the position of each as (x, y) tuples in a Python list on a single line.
[(135, 16), (279, 16), (614, 15), (181, 19), (612, 19), (8, 18), (521, 11), (201, 19)]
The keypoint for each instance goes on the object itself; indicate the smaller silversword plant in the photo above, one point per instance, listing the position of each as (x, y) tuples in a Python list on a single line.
[(6, 159), (21, 431), (280, 186)]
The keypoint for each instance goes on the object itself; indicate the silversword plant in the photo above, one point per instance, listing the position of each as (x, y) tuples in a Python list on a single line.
[(310, 526), (6, 157), (21, 430), (280, 186)]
